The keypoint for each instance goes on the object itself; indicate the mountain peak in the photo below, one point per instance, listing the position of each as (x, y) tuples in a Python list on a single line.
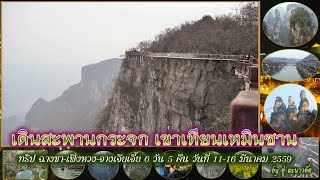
[(76, 108), (41, 101)]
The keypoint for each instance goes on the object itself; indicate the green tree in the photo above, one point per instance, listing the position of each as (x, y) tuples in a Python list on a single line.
[(300, 23)]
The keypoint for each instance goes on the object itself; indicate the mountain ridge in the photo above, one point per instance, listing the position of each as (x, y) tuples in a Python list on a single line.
[(77, 105)]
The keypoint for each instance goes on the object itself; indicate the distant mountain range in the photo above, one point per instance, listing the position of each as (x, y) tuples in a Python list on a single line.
[(75, 109), (310, 57), (10, 124), (78, 106), (282, 60)]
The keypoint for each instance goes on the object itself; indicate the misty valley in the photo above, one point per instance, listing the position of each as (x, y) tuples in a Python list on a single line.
[(152, 94)]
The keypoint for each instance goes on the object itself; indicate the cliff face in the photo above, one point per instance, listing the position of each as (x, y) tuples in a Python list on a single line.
[(302, 24), (77, 108), (166, 95)]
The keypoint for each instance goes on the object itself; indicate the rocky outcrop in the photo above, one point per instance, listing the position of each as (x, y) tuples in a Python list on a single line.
[(290, 9), (277, 26), (293, 26), (76, 109), (301, 26), (166, 95)]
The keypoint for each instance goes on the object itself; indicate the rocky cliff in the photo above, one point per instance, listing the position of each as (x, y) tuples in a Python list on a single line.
[(78, 106), (277, 26), (166, 95), (301, 26), (291, 26)]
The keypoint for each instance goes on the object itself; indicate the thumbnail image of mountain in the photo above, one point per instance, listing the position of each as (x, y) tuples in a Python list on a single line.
[(12, 169), (268, 85), (290, 108), (291, 65), (211, 170), (305, 156), (290, 24), (121, 94)]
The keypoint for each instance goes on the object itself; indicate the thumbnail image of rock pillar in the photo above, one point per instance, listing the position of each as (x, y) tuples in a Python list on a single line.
[(211, 170), (173, 92), (267, 85), (290, 108), (290, 24)]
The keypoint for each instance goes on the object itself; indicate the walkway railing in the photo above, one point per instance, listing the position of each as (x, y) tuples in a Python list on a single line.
[(242, 63), (210, 57), (244, 108)]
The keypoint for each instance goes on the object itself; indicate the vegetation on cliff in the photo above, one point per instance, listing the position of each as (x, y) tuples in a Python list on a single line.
[(161, 95), (14, 170), (290, 24), (301, 26), (229, 34), (308, 66)]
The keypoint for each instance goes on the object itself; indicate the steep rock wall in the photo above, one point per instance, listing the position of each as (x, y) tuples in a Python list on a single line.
[(171, 95)]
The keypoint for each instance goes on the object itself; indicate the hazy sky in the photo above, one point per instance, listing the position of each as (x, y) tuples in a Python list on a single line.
[(88, 32), (44, 44), (297, 54), (282, 7)]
